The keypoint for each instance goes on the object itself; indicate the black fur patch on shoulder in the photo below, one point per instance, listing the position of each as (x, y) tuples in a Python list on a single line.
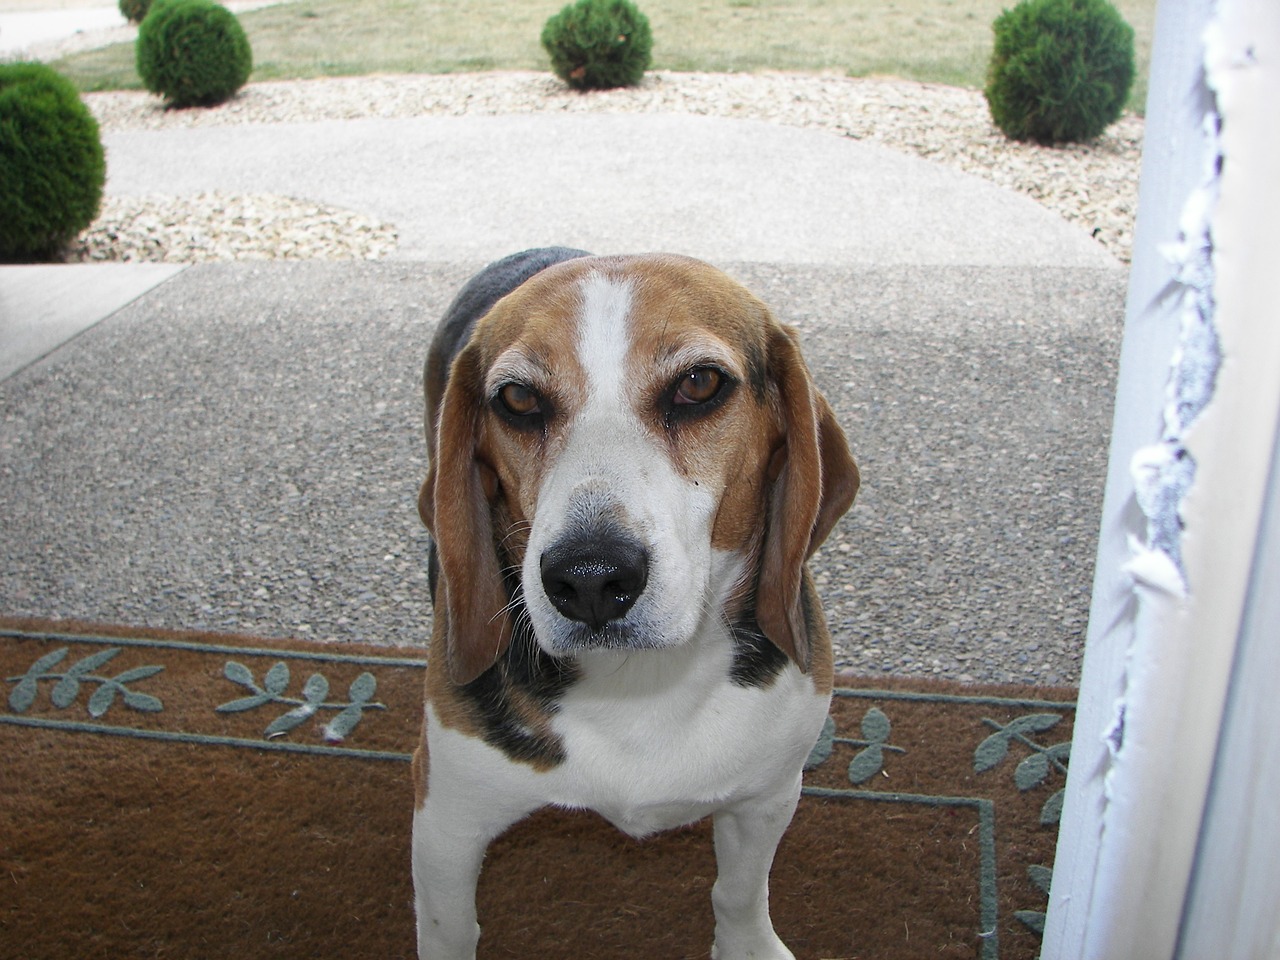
[(509, 698), (756, 660)]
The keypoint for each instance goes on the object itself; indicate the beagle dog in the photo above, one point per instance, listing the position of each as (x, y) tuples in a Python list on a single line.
[(629, 467)]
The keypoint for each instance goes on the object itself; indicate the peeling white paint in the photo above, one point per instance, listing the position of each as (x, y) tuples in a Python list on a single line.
[(1164, 472)]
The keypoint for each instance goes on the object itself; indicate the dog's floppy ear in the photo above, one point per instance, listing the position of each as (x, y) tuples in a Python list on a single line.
[(814, 482), (455, 504)]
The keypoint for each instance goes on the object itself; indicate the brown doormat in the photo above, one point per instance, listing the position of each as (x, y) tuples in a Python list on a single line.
[(199, 796)]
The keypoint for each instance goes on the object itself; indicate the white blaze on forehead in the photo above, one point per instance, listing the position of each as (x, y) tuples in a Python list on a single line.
[(611, 467), (604, 334)]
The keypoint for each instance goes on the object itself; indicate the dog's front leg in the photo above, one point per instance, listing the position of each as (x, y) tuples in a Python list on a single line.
[(450, 836), (746, 836), (446, 868)]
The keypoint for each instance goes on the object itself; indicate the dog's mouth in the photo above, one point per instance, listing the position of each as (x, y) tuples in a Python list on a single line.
[(571, 638)]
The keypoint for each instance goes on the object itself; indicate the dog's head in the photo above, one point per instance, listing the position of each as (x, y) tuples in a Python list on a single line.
[(628, 446)]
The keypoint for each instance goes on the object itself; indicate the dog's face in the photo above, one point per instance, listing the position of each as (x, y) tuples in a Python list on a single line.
[(640, 440)]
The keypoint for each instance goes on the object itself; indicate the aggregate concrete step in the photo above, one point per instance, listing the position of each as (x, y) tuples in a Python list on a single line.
[(239, 448)]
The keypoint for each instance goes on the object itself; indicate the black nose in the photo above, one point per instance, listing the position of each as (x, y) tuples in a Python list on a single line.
[(595, 579)]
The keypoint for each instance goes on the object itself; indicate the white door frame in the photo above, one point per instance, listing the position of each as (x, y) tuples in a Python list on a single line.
[(1181, 655)]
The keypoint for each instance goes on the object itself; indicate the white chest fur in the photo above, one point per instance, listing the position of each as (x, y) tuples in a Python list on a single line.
[(656, 739), (649, 754)]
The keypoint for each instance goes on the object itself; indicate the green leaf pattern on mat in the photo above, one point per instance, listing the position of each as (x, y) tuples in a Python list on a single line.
[(996, 747), (866, 764), (1042, 877), (67, 686), (1051, 812), (1032, 919), (315, 697), (1034, 769), (821, 751), (875, 726), (869, 761)]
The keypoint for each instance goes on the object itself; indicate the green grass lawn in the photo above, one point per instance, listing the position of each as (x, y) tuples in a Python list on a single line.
[(942, 41)]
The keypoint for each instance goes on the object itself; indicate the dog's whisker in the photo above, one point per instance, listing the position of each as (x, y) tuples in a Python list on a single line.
[(516, 604), (524, 526)]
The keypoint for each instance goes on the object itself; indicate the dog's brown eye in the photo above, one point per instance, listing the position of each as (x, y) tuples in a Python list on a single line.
[(519, 400), (699, 385)]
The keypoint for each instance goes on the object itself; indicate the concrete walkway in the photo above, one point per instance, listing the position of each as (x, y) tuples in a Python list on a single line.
[(480, 187), (42, 307), (472, 189)]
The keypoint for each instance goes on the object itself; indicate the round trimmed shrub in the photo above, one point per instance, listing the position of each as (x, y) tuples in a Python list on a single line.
[(194, 53), (134, 10), (51, 162), (598, 44), (1061, 70)]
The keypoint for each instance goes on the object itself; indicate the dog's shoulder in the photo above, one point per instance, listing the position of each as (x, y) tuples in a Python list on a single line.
[(511, 705)]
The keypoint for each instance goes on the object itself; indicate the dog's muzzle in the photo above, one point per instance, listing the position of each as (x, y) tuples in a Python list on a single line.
[(594, 580)]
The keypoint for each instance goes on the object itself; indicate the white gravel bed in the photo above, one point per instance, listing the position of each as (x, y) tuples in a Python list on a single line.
[(1093, 185), (215, 226)]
